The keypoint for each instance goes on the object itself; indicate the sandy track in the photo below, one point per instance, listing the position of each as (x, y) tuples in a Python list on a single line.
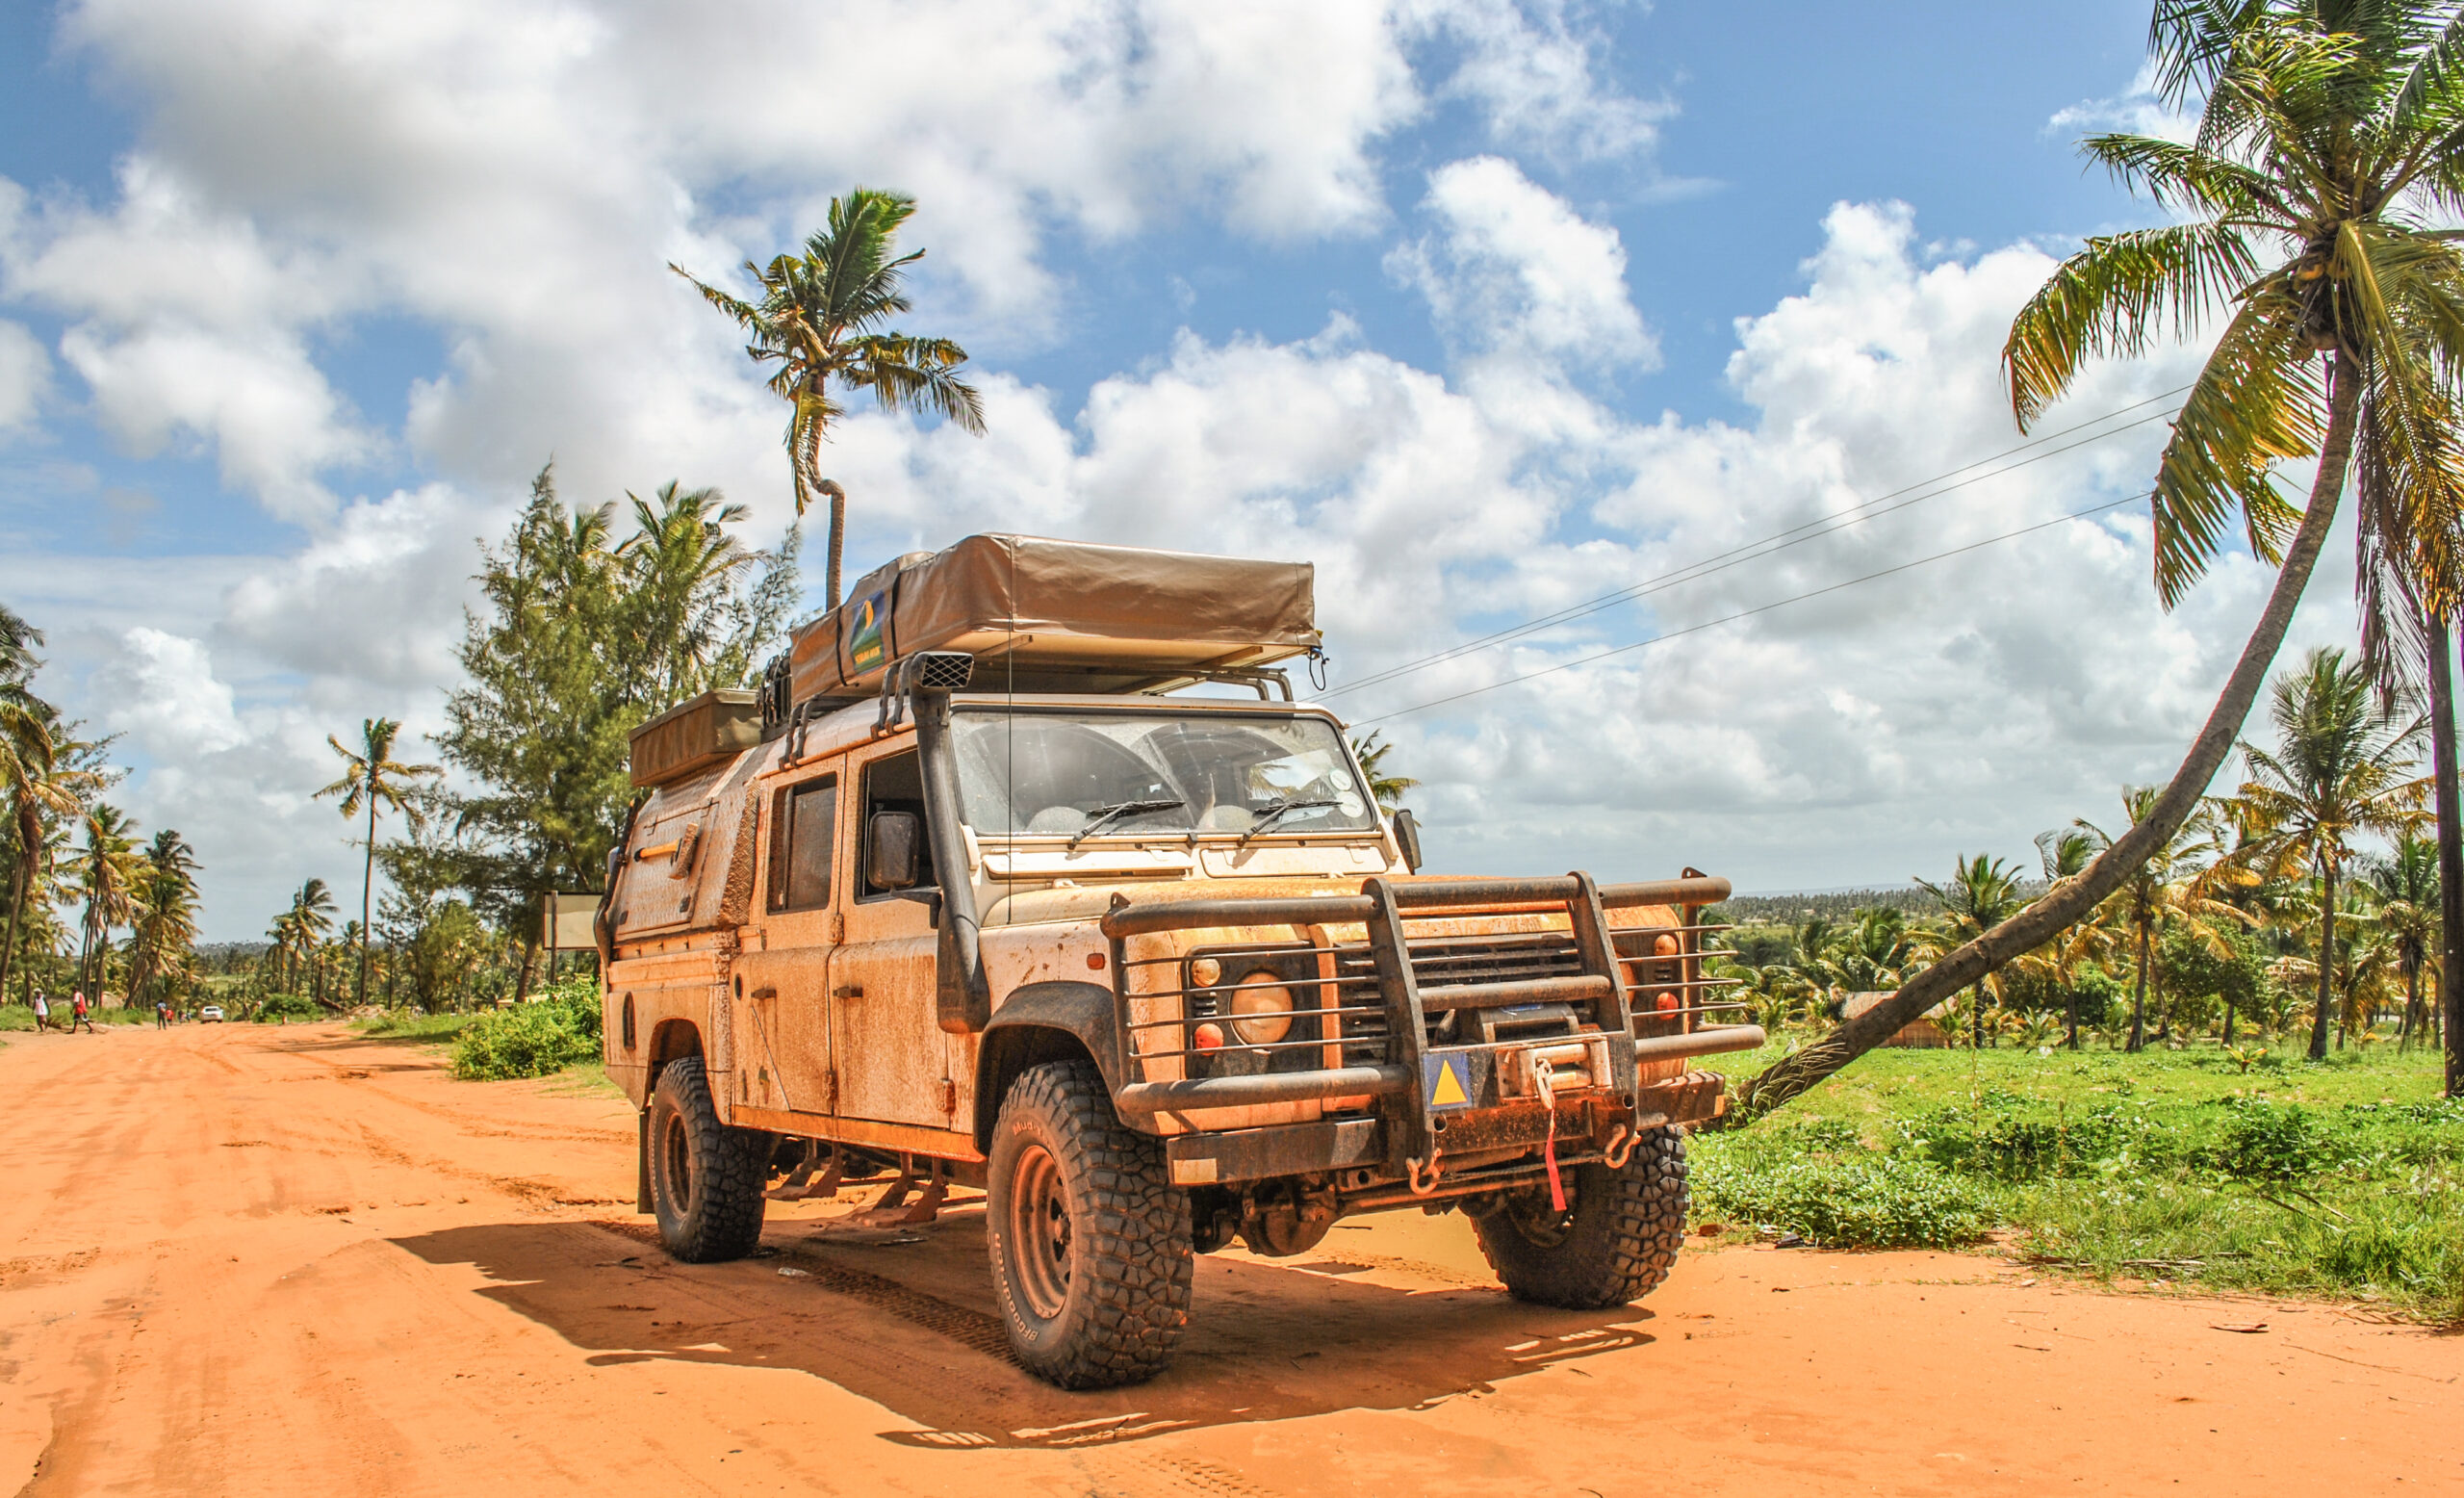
[(248, 1261)]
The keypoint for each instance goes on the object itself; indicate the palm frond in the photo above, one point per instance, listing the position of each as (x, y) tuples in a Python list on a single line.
[(2114, 299), (2254, 404)]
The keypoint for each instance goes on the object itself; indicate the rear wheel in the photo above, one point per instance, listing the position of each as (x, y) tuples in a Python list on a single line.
[(705, 1177), (1090, 1243), (1615, 1242)]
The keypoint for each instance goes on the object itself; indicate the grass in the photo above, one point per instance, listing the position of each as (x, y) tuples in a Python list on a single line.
[(413, 1026), (2344, 1178)]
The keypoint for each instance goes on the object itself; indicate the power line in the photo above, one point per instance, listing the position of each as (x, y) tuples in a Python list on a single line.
[(1748, 613), (1822, 525)]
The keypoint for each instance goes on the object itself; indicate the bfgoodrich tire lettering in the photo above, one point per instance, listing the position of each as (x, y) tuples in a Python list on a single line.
[(1615, 1243), (1089, 1241), (705, 1177)]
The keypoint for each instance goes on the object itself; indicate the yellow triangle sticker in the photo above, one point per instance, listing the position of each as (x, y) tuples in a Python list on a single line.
[(1449, 1092)]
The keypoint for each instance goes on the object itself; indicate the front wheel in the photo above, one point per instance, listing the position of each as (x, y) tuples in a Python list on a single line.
[(1091, 1242), (705, 1177), (1616, 1240)]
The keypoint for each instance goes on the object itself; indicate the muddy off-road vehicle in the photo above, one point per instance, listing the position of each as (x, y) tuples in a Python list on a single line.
[(971, 892)]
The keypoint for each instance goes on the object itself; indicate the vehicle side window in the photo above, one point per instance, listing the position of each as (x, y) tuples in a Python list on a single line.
[(807, 832), (895, 784)]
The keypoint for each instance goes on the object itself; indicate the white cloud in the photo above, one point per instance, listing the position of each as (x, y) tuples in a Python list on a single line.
[(1515, 269), (1533, 70), (25, 376), (2135, 111)]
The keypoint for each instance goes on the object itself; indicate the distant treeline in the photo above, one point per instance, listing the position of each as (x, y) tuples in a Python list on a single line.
[(1783, 910)]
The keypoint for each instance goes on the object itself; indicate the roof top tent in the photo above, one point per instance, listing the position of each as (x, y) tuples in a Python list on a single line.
[(1041, 615), (1038, 617)]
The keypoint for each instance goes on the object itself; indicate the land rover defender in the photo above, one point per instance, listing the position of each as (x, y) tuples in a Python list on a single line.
[(974, 892)]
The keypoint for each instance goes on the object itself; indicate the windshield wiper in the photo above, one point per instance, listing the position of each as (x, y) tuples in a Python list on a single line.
[(1106, 816), (1277, 813)]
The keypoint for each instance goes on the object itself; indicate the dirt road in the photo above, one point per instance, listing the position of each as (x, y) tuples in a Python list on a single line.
[(245, 1260)]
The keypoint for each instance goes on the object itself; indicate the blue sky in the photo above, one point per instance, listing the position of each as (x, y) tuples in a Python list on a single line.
[(1484, 306)]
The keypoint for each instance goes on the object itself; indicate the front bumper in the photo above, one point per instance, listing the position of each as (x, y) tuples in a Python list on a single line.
[(1429, 1100)]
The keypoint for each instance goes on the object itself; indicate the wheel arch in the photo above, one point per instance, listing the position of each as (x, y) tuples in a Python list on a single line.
[(671, 1040), (1039, 1023)]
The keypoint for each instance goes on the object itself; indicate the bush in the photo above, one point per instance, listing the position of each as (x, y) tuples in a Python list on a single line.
[(1876, 1203), (283, 1008), (539, 1039), (2268, 1141)]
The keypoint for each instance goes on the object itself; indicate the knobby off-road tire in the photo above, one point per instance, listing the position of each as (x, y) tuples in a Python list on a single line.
[(1616, 1240), (1090, 1243), (705, 1177)]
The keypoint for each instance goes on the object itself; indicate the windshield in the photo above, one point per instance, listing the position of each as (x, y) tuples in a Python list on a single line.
[(1097, 773)]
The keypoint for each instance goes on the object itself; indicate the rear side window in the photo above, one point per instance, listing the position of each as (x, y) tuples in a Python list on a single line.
[(808, 834)]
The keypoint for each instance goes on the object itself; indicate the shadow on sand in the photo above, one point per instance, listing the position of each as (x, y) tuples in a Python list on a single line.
[(912, 1326)]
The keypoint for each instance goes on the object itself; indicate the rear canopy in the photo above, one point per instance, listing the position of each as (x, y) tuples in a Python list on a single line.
[(1047, 616)]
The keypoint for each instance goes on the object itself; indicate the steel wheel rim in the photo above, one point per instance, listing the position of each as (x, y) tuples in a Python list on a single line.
[(679, 1155), (1039, 1233)]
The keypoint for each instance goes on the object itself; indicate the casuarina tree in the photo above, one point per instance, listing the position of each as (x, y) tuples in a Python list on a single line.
[(2330, 140), (821, 319)]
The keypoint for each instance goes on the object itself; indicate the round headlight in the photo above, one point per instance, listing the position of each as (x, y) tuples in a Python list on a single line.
[(1260, 994)]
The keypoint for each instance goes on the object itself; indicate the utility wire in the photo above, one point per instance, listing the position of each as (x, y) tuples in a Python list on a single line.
[(1821, 525), (1748, 613)]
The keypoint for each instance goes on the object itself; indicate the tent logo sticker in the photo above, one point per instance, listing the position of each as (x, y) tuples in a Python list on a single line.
[(865, 641), (1449, 1080)]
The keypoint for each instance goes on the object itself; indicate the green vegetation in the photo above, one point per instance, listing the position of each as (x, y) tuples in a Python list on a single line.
[(560, 1029), (2343, 1178)]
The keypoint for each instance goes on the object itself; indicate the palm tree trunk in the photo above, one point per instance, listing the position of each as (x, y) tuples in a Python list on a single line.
[(2451, 852), (2070, 1014), (2412, 1002), (2229, 1021), (838, 532), (16, 909), (366, 882), (2326, 957), (2066, 905), (2139, 1001)]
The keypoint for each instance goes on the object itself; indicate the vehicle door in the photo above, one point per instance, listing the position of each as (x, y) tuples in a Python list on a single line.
[(785, 1058), (893, 1057)]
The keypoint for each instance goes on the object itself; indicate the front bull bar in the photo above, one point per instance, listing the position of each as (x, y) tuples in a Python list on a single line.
[(1411, 1129)]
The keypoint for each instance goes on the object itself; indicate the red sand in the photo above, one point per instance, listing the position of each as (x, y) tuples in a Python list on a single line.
[(251, 1260)]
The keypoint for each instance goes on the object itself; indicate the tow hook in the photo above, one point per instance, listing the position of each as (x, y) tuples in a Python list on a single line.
[(1621, 1147), (1422, 1186)]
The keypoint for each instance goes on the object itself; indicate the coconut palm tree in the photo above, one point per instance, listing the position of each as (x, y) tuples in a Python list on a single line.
[(372, 777), (2404, 886), (2330, 137), (2182, 884), (2342, 766), (1981, 893), (820, 319), (106, 871), (37, 792), (164, 897), (299, 929), (1372, 750)]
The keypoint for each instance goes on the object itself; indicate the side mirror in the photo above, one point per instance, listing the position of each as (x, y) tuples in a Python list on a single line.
[(891, 842), (1408, 837)]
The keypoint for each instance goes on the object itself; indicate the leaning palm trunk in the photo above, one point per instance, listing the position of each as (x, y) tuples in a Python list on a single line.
[(2067, 904)]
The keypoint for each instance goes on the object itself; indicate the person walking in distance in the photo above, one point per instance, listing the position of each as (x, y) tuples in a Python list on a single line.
[(42, 1013), (162, 1013), (81, 1016)]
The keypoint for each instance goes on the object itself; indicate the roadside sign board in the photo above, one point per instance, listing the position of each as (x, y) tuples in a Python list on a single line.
[(567, 923)]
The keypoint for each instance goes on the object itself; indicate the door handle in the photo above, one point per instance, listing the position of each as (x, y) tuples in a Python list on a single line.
[(848, 991), (766, 990)]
